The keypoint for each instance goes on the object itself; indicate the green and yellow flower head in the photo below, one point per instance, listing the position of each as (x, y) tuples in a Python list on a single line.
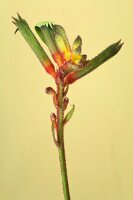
[(71, 63), (54, 36)]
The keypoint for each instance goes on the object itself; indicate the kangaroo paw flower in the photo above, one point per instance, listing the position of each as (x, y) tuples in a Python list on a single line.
[(92, 64), (26, 32), (46, 33)]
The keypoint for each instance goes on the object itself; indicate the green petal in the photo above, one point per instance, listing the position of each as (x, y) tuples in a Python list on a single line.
[(46, 23), (28, 35), (89, 66), (60, 43), (46, 33), (77, 50), (105, 55), (26, 32), (60, 30), (77, 43)]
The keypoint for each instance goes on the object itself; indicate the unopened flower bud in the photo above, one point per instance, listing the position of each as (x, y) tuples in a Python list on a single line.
[(66, 90), (50, 90), (55, 100), (66, 101), (61, 73), (77, 43), (53, 117)]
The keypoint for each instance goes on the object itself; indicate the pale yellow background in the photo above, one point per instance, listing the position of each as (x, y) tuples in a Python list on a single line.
[(99, 138)]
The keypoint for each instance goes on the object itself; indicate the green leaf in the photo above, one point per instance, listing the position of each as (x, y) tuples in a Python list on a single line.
[(69, 115)]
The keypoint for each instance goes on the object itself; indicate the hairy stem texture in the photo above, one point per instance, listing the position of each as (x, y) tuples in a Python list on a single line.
[(61, 148)]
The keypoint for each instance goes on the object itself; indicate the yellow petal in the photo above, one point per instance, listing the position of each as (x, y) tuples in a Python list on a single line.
[(62, 47)]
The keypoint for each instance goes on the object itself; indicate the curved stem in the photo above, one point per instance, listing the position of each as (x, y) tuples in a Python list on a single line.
[(61, 148)]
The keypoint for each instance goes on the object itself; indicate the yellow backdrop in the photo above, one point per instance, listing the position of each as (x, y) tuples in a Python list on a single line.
[(99, 138)]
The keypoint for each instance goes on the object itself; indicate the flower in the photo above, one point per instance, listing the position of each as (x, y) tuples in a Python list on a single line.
[(72, 65), (66, 57), (28, 35)]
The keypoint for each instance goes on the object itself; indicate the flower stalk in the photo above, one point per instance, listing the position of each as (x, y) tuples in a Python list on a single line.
[(61, 147), (71, 66)]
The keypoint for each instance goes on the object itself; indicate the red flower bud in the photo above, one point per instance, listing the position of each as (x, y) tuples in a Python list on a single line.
[(50, 90), (53, 117), (66, 101), (70, 78)]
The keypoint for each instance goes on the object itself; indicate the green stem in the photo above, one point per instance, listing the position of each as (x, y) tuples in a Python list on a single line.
[(61, 148)]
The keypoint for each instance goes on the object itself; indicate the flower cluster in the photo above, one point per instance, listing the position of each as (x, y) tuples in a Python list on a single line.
[(72, 65), (67, 58)]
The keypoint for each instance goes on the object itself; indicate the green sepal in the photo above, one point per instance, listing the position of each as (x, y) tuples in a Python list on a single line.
[(69, 115)]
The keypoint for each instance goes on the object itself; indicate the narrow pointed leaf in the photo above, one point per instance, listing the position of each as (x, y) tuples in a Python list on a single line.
[(28, 35), (108, 53), (69, 115)]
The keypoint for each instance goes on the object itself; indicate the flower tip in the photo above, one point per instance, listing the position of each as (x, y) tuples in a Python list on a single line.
[(120, 43), (17, 29), (19, 16), (15, 20), (45, 23), (79, 37), (77, 42)]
